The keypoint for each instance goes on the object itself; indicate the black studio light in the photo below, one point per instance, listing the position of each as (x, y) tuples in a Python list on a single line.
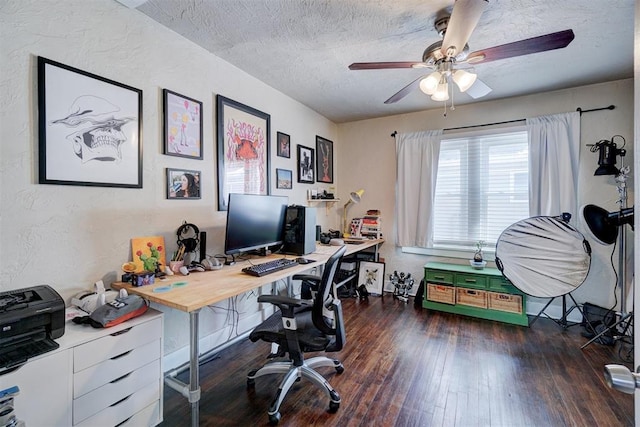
[(607, 152), (603, 224)]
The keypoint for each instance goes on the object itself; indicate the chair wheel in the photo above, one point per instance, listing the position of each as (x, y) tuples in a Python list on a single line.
[(274, 419), (340, 369), (333, 407)]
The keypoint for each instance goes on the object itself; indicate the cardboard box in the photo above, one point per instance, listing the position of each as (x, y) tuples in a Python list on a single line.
[(471, 297), (441, 293), (505, 302)]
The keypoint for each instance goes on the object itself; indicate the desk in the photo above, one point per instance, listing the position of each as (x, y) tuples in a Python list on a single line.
[(211, 287)]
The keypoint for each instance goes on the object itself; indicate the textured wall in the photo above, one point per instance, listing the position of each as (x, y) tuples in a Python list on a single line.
[(70, 236), (373, 137)]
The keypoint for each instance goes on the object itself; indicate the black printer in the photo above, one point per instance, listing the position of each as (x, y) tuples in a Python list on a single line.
[(30, 320)]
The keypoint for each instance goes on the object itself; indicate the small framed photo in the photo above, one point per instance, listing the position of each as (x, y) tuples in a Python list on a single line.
[(183, 184), (324, 154), (182, 125), (305, 165), (371, 275), (284, 179), (284, 145)]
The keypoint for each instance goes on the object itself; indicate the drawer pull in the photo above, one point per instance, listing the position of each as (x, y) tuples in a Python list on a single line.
[(124, 331), (121, 355), (121, 378), (438, 277), (120, 401), (470, 280), (123, 423)]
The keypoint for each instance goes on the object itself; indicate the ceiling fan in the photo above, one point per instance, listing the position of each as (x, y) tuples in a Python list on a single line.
[(443, 57)]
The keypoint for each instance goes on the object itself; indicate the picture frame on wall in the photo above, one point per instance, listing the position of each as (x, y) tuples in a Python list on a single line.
[(324, 164), (284, 179), (306, 165), (243, 150), (371, 275), (284, 145), (183, 184), (182, 125), (89, 128)]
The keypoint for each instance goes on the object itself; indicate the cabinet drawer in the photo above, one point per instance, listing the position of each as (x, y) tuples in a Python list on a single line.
[(112, 369), (149, 416), (124, 409), (112, 392), (500, 284), (110, 346), (471, 281), (439, 276)]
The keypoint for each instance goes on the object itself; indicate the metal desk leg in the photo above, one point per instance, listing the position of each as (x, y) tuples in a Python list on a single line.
[(194, 369)]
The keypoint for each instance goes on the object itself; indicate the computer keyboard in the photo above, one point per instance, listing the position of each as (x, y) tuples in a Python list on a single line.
[(269, 267)]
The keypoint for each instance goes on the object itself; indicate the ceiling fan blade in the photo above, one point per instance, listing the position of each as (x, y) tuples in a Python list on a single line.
[(404, 91), (463, 20), (478, 89), (523, 47), (386, 65)]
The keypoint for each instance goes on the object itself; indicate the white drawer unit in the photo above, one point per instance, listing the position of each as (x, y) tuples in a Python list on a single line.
[(98, 377)]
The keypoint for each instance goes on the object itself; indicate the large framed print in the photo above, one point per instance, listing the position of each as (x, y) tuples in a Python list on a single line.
[(243, 150), (324, 154), (182, 125), (305, 165), (371, 275), (89, 128)]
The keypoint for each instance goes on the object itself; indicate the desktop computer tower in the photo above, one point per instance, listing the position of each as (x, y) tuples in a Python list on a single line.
[(300, 230)]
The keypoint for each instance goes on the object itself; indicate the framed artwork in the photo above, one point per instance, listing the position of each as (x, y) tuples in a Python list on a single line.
[(284, 145), (89, 128), (148, 253), (182, 125), (183, 184), (243, 150), (284, 179), (305, 165), (371, 275), (324, 153)]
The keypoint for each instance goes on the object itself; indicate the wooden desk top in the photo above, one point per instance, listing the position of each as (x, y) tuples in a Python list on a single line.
[(210, 287)]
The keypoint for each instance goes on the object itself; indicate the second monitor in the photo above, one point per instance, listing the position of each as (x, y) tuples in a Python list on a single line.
[(300, 230)]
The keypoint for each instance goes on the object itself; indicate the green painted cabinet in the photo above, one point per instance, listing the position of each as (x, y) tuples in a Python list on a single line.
[(484, 293)]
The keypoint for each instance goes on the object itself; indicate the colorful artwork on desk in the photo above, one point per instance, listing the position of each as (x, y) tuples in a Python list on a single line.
[(148, 253)]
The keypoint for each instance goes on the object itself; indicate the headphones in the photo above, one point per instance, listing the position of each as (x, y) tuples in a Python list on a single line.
[(188, 236)]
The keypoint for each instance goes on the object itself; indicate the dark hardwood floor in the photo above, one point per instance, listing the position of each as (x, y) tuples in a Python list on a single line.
[(413, 367)]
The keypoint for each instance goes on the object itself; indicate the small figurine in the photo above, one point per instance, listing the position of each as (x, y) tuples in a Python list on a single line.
[(477, 257), (402, 284)]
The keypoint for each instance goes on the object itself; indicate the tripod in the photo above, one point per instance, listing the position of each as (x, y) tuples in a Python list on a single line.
[(626, 319), (562, 322)]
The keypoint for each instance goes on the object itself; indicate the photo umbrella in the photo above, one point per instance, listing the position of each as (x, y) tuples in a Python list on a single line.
[(545, 257)]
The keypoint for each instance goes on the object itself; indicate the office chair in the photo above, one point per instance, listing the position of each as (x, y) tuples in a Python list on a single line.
[(301, 326)]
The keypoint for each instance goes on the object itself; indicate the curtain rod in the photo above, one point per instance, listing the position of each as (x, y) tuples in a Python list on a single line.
[(580, 110)]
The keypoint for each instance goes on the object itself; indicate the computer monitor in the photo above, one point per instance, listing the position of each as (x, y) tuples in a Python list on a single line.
[(254, 222)]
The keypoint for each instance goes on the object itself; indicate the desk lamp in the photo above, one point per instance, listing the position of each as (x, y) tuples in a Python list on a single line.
[(354, 197)]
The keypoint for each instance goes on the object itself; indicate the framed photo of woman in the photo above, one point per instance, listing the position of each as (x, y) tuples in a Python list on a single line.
[(183, 184), (305, 165)]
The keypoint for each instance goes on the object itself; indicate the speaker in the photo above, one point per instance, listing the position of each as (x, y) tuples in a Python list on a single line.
[(300, 230), (203, 245)]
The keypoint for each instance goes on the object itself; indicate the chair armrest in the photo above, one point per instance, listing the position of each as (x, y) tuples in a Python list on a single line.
[(309, 277), (284, 303)]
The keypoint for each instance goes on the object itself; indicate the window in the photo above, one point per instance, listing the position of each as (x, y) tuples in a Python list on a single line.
[(482, 187)]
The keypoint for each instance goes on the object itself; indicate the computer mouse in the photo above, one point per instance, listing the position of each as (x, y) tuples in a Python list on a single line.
[(304, 260)]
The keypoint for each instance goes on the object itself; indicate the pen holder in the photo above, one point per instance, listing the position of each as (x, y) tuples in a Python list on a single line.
[(176, 265)]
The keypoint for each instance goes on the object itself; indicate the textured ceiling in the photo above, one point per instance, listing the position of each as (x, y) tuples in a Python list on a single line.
[(303, 47)]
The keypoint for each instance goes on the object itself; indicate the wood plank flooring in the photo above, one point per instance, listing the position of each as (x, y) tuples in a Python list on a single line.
[(413, 367)]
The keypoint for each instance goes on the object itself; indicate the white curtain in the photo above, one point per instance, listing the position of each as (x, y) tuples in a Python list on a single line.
[(417, 168), (554, 147)]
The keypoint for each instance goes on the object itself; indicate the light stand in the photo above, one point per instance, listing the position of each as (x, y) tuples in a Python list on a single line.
[(606, 227), (354, 197)]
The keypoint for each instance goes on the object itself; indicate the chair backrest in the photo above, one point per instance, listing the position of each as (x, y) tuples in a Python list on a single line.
[(324, 297)]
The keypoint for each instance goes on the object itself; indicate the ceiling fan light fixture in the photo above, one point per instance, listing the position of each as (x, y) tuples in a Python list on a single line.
[(429, 84), (442, 92), (464, 79)]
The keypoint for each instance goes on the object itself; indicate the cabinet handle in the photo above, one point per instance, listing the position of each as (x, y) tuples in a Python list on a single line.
[(124, 331), (470, 280), (120, 401), (123, 423), (121, 355), (120, 379), (438, 277)]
